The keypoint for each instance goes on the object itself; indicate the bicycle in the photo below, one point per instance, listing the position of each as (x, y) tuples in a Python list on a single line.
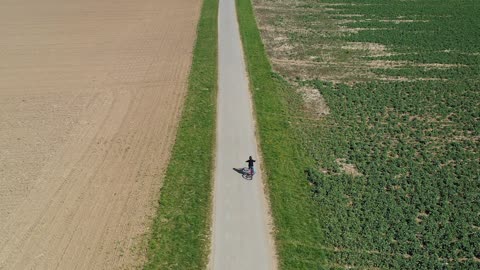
[(248, 173)]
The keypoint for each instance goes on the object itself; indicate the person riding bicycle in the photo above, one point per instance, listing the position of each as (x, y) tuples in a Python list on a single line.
[(250, 162)]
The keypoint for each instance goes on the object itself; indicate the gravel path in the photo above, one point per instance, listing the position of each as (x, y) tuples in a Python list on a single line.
[(241, 233)]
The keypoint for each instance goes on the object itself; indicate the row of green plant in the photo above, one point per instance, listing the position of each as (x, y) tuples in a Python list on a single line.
[(180, 231), (428, 31)]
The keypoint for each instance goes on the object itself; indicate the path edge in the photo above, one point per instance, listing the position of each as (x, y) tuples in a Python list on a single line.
[(260, 155), (180, 233), (296, 219)]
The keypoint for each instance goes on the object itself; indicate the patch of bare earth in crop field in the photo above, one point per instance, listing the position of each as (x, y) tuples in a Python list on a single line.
[(90, 96), (304, 48)]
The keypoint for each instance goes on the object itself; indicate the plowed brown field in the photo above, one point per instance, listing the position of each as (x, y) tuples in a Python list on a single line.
[(90, 96)]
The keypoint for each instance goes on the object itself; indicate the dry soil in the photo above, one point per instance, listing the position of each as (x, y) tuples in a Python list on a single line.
[(90, 96)]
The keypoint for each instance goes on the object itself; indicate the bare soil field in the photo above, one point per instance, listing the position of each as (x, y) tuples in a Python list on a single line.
[(90, 96)]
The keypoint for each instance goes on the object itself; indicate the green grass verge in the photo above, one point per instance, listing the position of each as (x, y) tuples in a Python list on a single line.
[(298, 231), (180, 232)]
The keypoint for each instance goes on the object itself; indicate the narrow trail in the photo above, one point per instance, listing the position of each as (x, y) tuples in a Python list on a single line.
[(241, 236)]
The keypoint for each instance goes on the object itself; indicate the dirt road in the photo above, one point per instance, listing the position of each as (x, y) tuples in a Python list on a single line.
[(90, 95), (241, 237)]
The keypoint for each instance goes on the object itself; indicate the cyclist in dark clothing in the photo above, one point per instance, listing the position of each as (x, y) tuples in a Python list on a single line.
[(250, 162)]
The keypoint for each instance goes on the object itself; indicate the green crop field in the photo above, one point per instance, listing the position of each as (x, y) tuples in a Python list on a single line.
[(396, 174)]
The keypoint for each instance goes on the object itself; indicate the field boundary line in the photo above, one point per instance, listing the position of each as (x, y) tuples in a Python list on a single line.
[(294, 217), (180, 233)]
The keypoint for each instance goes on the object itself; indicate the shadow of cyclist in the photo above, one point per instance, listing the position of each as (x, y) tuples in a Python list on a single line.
[(239, 170)]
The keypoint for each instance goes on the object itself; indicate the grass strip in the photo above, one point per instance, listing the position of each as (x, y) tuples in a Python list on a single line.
[(180, 231), (297, 224)]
